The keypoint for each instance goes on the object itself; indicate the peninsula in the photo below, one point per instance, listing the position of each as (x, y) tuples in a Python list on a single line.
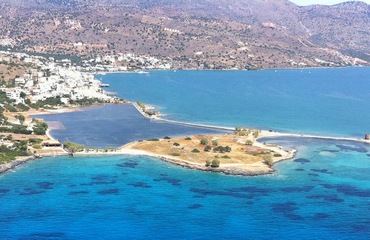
[(235, 153)]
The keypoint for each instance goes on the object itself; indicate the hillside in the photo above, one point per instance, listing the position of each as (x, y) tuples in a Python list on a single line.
[(194, 34)]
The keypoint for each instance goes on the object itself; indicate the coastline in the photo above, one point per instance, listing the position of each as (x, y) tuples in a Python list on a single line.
[(19, 161), (239, 162), (229, 169), (52, 152)]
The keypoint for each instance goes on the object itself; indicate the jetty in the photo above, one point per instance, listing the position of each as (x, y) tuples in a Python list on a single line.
[(264, 133)]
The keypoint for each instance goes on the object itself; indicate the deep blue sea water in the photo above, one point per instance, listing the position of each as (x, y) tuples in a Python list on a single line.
[(324, 193), (316, 101)]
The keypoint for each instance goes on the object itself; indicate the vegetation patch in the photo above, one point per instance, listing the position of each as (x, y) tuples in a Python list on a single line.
[(267, 159), (222, 149), (204, 141), (207, 148), (73, 147), (153, 140), (215, 163), (8, 154)]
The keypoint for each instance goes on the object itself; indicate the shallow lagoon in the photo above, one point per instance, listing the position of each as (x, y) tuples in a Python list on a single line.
[(113, 125)]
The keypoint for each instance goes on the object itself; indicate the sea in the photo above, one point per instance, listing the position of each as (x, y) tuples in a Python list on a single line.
[(323, 193)]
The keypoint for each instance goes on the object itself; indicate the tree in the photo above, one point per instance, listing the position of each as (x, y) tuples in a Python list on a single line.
[(21, 118), (208, 163), (207, 148), (40, 127), (267, 159), (227, 149), (215, 163), (204, 141), (73, 147)]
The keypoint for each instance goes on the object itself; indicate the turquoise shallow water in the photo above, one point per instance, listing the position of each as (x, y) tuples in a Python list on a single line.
[(324, 193), (319, 195)]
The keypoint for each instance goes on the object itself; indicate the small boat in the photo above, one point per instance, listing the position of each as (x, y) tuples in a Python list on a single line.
[(142, 72)]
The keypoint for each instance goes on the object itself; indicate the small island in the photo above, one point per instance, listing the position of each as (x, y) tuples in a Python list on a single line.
[(235, 153)]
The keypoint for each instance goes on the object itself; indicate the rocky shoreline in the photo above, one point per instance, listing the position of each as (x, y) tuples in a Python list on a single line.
[(5, 167), (226, 171), (19, 161)]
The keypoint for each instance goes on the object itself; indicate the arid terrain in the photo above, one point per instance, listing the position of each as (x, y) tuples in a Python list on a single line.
[(215, 34), (228, 153)]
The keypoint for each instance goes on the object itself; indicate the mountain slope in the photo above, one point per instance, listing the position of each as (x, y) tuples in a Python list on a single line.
[(195, 34)]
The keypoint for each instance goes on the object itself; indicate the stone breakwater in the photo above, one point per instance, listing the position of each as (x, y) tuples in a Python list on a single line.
[(264, 133)]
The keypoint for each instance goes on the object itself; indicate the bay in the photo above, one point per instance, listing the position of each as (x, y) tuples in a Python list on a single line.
[(323, 193), (314, 101)]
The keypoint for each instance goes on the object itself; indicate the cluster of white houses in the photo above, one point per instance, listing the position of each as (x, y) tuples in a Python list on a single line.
[(70, 82), (52, 80)]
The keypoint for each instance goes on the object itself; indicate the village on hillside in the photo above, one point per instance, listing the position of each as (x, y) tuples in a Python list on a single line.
[(31, 84)]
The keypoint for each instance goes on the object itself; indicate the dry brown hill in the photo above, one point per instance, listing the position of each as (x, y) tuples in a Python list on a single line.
[(195, 34)]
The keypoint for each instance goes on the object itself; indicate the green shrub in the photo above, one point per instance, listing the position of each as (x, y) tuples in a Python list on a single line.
[(207, 148), (208, 163), (204, 141), (277, 155), (35, 140), (176, 144), (222, 149), (225, 156), (188, 138), (40, 127), (215, 163), (37, 146), (167, 137), (73, 147), (214, 142), (267, 159), (195, 150), (175, 154), (153, 140)]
